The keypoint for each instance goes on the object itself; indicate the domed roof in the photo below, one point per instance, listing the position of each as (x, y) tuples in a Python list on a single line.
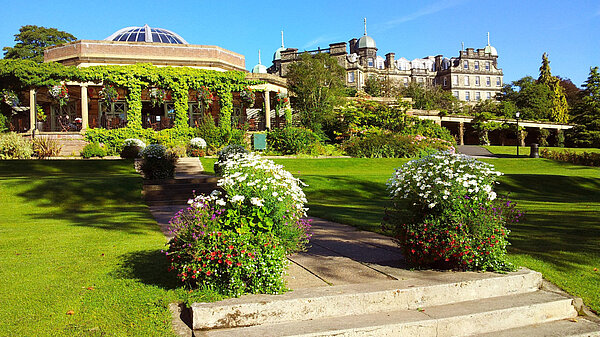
[(277, 55), (366, 42), (146, 34), (490, 50), (259, 69)]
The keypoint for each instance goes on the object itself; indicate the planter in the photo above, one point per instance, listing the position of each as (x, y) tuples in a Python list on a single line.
[(39, 126)]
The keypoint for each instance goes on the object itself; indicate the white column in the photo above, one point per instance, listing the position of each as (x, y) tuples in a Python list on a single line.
[(32, 110), (84, 107), (267, 109)]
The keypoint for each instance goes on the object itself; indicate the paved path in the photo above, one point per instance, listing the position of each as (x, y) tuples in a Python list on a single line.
[(475, 151)]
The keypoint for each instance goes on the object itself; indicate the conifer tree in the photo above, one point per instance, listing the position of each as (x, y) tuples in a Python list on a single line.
[(587, 132), (560, 108)]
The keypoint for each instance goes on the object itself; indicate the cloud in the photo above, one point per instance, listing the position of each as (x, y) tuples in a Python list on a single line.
[(428, 10), (319, 40)]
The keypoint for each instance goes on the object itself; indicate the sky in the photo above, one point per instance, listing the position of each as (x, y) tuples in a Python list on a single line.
[(521, 30)]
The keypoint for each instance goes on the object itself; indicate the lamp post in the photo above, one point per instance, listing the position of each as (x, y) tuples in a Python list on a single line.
[(517, 114)]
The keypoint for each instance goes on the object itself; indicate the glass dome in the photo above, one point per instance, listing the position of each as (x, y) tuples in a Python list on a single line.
[(146, 34)]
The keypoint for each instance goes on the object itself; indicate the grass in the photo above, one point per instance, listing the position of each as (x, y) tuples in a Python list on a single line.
[(560, 236), (524, 151), (80, 252)]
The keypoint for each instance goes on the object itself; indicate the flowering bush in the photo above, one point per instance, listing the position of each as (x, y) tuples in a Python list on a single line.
[(196, 147), (447, 214), (228, 151), (236, 242), (578, 158), (382, 144), (157, 162), (132, 148)]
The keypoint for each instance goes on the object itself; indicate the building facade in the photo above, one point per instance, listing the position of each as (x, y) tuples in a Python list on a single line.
[(472, 76)]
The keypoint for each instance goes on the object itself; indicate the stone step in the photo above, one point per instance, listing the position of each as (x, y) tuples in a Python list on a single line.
[(577, 327), (358, 299), (456, 319), (198, 180)]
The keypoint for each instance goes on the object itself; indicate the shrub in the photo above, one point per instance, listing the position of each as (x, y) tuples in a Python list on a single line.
[(445, 213), (93, 150), (132, 148), (225, 154), (292, 140), (578, 158), (237, 242), (157, 162), (45, 147), (377, 144), (427, 128), (14, 146), (196, 147), (217, 138)]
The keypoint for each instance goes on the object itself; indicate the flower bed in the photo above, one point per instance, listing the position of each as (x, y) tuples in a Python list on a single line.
[(578, 158), (446, 214), (236, 242)]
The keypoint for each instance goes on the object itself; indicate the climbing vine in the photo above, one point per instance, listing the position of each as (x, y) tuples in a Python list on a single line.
[(25, 74)]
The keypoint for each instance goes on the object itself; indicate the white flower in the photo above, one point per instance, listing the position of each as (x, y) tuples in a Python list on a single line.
[(257, 202), (237, 198), (220, 202), (198, 143)]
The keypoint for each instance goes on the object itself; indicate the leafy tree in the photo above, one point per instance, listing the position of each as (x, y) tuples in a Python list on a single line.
[(587, 114), (572, 92), (32, 40), (529, 97), (429, 97), (560, 109), (317, 82)]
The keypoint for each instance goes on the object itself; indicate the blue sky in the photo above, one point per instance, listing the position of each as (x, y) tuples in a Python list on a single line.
[(521, 30)]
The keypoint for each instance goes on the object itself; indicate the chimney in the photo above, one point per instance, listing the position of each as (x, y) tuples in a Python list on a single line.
[(353, 46), (389, 60)]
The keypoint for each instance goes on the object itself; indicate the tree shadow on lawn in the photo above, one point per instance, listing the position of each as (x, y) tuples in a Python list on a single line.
[(551, 188), (85, 198), (149, 267)]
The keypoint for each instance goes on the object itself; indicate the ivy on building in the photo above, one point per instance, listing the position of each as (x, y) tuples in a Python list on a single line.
[(18, 75)]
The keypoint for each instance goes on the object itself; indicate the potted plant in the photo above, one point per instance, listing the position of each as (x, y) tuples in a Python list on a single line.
[(40, 116), (109, 93), (9, 97), (205, 97), (157, 96), (60, 93), (247, 96)]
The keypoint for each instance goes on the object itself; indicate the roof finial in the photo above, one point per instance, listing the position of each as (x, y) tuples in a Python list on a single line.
[(259, 56), (462, 44), (282, 39), (488, 38), (365, 26)]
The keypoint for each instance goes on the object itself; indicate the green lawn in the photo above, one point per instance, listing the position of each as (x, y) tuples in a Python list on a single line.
[(76, 237), (524, 151), (560, 236)]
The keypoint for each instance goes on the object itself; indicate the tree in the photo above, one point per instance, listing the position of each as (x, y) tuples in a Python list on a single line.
[(559, 107), (317, 82), (529, 97), (587, 114), (429, 97), (572, 92), (32, 40)]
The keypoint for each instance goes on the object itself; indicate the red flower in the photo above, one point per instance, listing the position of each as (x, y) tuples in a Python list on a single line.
[(208, 273)]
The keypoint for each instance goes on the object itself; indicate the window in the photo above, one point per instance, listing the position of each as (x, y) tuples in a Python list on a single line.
[(455, 80), (370, 62), (488, 82), (476, 65), (466, 64), (488, 95), (195, 113), (421, 80), (466, 80), (445, 81), (478, 96), (467, 96), (498, 81), (487, 65), (351, 77), (477, 80), (455, 93), (406, 81)]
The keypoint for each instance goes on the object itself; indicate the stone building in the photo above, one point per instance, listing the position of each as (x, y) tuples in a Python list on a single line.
[(472, 76)]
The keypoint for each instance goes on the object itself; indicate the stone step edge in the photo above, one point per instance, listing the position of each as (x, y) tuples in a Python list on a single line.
[(458, 319), (198, 180), (337, 301), (574, 327)]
